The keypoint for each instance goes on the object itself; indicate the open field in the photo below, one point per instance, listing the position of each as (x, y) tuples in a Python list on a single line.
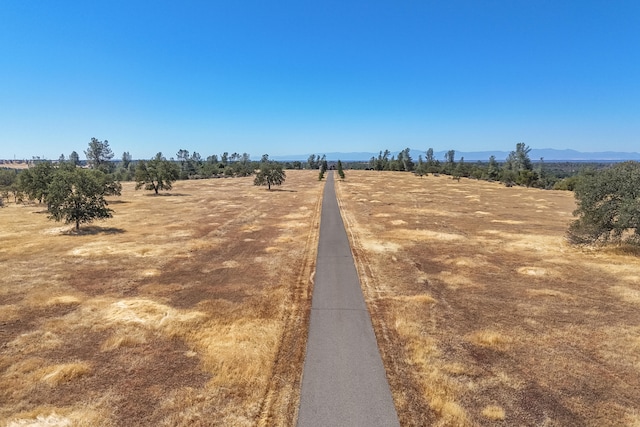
[(11, 164), (484, 315), (188, 308)]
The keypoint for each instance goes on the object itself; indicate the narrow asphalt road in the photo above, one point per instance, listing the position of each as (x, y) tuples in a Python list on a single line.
[(344, 382)]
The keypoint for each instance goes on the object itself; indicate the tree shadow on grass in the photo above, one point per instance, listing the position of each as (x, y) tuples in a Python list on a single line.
[(629, 249), (91, 230), (282, 189), (167, 195)]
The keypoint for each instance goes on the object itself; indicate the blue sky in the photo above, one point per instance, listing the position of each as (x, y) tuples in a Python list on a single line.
[(295, 77)]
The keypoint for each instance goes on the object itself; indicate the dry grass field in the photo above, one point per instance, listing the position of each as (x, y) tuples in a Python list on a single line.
[(484, 314), (188, 308)]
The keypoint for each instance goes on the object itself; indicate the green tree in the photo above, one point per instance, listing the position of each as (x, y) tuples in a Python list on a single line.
[(77, 196), (382, 162), (126, 159), (8, 183), (432, 165), (187, 165), (243, 166), (608, 205), (449, 162), (74, 158), (340, 170), (270, 173), (313, 161), (518, 168), (460, 170), (211, 167), (405, 162), (34, 182), (156, 174), (99, 155), (493, 169), (8, 177), (421, 169)]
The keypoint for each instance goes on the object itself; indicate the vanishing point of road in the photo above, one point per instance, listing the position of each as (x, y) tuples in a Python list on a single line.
[(344, 382)]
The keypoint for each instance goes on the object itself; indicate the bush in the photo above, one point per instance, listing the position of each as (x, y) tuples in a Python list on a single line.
[(608, 206), (567, 184)]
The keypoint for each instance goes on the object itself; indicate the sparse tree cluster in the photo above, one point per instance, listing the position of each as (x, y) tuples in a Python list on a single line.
[(72, 194), (517, 168)]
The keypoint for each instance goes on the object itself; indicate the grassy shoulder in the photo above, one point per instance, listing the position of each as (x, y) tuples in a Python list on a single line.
[(484, 314), (185, 308)]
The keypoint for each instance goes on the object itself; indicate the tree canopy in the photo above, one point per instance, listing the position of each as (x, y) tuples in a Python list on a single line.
[(77, 196), (35, 181), (156, 174), (340, 169), (608, 205), (99, 155), (270, 173)]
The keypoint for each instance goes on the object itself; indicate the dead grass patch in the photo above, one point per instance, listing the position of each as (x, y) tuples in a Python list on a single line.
[(491, 339), (494, 412), (165, 314), (517, 323), (534, 271), (627, 294), (47, 416), (548, 293), (57, 374)]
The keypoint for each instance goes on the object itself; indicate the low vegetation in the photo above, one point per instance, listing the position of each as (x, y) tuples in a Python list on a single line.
[(484, 313)]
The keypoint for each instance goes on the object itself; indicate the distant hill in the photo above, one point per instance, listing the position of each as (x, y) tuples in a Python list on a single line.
[(549, 155)]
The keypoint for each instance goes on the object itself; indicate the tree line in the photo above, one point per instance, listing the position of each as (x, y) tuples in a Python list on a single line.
[(516, 169), (607, 198), (75, 192)]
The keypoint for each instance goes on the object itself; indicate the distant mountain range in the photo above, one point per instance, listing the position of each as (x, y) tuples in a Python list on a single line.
[(548, 154)]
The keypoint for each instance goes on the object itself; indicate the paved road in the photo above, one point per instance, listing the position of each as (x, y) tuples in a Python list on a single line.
[(344, 382)]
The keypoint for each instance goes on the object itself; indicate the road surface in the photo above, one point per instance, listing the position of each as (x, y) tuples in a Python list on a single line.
[(344, 382)]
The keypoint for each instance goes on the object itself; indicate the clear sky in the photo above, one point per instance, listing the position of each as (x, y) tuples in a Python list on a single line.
[(295, 77)]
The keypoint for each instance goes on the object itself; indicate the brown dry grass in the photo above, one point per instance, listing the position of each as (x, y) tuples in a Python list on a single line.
[(484, 315), (189, 308), (11, 164)]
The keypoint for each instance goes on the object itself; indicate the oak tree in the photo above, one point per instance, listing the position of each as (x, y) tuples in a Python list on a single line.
[(156, 174), (77, 196), (608, 205), (270, 173)]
